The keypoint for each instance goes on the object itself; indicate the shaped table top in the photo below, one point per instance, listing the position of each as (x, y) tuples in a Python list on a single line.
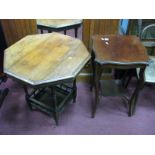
[(117, 49), (58, 23), (45, 58)]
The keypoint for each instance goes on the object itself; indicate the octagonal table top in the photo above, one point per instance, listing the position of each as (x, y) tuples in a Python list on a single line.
[(58, 23), (45, 58)]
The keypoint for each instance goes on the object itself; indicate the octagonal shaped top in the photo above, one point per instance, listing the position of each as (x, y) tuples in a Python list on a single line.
[(58, 23), (45, 58)]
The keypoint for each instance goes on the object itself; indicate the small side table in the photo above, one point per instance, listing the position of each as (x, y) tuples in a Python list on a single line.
[(117, 52), (59, 25)]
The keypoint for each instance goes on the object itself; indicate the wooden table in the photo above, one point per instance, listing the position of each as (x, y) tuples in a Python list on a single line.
[(59, 25), (45, 62), (117, 52)]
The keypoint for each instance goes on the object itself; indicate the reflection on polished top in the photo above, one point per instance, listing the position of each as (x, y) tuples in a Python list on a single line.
[(58, 23), (45, 58), (113, 49)]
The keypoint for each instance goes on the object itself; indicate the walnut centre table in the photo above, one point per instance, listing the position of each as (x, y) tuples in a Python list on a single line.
[(46, 62)]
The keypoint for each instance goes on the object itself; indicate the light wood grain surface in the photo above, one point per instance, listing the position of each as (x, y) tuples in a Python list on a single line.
[(58, 23), (45, 58)]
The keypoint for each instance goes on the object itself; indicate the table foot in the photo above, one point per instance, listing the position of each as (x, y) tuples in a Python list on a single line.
[(94, 107), (56, 117)]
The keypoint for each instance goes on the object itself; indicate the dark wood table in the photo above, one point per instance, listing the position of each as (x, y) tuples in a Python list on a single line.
[(117, 52), (57, 25)]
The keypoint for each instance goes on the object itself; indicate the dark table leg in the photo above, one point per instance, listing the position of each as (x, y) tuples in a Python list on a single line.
[(98, 73), (74, 91), (76, 31), (127, 77), (65, 32), (92, 79), (55, 113), (134, 97), (27, 96), (42, 31)]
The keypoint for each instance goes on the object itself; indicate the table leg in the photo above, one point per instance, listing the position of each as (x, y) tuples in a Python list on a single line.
[(98, 73), (65, 32), (127, 77), (92, 79), (55, 113), (41, 30), (74, 91), (76, 31), (27, 96), (134, 97)]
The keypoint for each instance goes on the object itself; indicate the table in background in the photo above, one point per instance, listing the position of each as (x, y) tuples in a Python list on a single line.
[(117, 52), (59, 25), (49, 63)]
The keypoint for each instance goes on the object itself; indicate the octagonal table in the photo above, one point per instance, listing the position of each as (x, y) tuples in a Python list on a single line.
[(59, 25), (49, 63)]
